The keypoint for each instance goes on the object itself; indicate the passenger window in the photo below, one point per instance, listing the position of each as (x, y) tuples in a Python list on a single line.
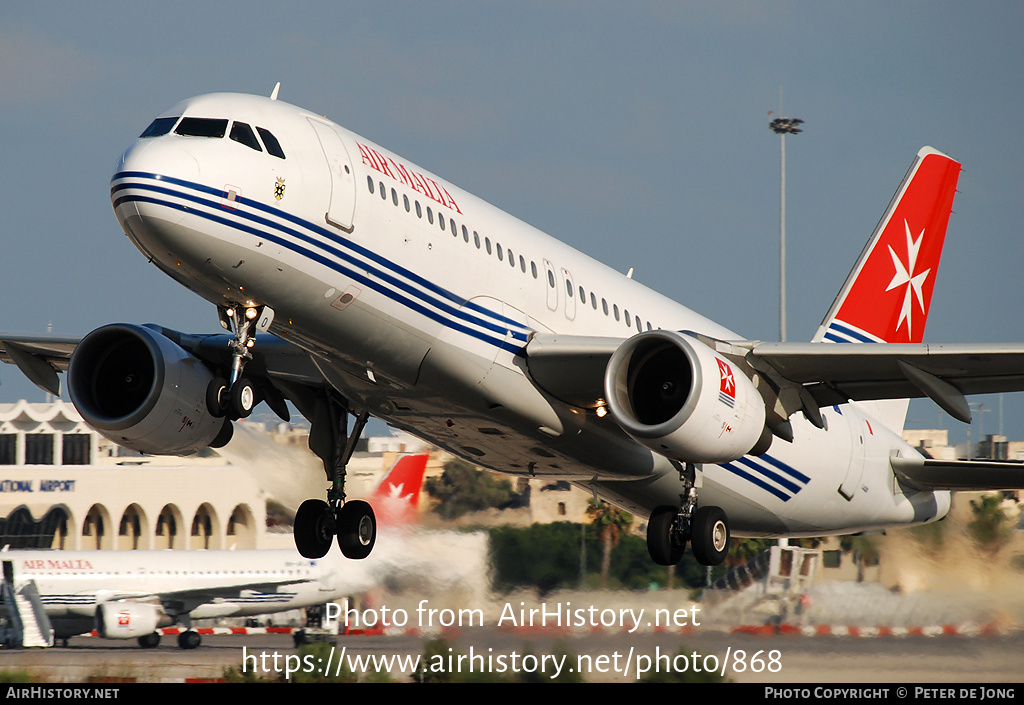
[(271, 143), (583, 295), (604, 305), (243, 134), (160, 126), (533, 268), (406, 200), (202, 127), (383, 192), (419, 211), (615, 311), (430, 216), (369, 183), (487, 244), (522, 266)]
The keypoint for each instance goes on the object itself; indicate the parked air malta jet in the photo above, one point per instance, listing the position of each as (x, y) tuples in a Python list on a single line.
[(354, 282), (130, 594)]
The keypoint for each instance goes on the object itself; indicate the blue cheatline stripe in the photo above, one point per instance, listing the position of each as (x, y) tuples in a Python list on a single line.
[(505, 322), (756, 480), (323, 232), (837, 329), (353, 274), (763, 474), (791, 471), (778, 479), (393, 281)]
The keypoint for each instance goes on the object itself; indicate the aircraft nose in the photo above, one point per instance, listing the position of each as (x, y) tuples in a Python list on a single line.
[(146, 191), (145, 171), (158, 157)]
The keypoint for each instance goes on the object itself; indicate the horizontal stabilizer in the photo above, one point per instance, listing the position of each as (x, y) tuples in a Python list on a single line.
[(959, 475)]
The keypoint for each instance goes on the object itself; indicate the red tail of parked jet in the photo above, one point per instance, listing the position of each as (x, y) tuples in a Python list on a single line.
[(397, 496), (887, 295)]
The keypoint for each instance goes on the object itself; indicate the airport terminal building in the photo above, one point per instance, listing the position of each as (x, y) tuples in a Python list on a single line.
[(62, 485)]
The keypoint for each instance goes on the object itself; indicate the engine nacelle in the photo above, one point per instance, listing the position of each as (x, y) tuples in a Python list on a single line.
[(676, 396), (129, 620), (144, 392)]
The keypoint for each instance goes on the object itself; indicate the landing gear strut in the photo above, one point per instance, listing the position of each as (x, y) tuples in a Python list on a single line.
[(317, 521), (236, 396), (706, 528)]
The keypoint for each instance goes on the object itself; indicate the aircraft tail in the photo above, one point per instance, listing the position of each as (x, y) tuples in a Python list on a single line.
[(887, 295), (397, 497)]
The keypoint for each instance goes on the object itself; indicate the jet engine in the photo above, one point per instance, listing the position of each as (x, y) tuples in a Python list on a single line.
[(128, 620), (142, 391), (679, 398)]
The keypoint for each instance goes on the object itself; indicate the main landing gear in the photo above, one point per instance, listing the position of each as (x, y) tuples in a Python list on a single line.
[(706, 528), (317, 522)]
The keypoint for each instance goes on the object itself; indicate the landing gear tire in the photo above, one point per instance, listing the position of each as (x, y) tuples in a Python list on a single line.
[(149, 641), (189, 639), (665, 543), (243, 398), (357, 529), (314, 528), (709, 535), (217, 397)]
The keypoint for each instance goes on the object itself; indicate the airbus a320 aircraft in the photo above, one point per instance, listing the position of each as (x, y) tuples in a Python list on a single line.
[(354, 282)]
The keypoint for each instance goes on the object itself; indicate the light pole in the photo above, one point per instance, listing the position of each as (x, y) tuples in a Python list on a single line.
[(783, 126)]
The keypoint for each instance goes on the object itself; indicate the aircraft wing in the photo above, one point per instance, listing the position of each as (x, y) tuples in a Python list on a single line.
[(835, 373), (571, 368), (40, 358)]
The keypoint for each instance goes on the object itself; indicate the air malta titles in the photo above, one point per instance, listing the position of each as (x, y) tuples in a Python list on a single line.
[(55, 564), (413, 179)]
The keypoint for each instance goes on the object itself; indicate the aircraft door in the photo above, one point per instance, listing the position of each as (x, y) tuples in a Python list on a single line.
[(342, 206), (570, 294), (549, 273)]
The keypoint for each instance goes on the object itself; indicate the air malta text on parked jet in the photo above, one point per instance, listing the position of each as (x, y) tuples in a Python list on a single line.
[(357, 283)]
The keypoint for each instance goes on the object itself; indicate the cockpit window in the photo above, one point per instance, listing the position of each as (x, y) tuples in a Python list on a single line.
[(273, 146), (243, 134), (202, 127), (160, 126)]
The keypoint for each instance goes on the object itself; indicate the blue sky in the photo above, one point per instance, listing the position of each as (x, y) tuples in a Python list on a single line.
[(636, 132)]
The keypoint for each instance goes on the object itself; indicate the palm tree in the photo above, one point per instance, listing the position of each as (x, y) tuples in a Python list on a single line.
[(610, 524)]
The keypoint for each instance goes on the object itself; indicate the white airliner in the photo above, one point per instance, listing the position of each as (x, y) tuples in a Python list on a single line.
[(130, 594), (356, 282)]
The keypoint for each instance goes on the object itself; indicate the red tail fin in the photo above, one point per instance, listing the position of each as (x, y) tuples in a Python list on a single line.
[(397, 496), (887, 295)]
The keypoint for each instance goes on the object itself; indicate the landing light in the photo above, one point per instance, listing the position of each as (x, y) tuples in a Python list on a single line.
[(250, 313), (602, 412)]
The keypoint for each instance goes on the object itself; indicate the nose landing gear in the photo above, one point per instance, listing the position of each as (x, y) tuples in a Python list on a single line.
[(237, 396)]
